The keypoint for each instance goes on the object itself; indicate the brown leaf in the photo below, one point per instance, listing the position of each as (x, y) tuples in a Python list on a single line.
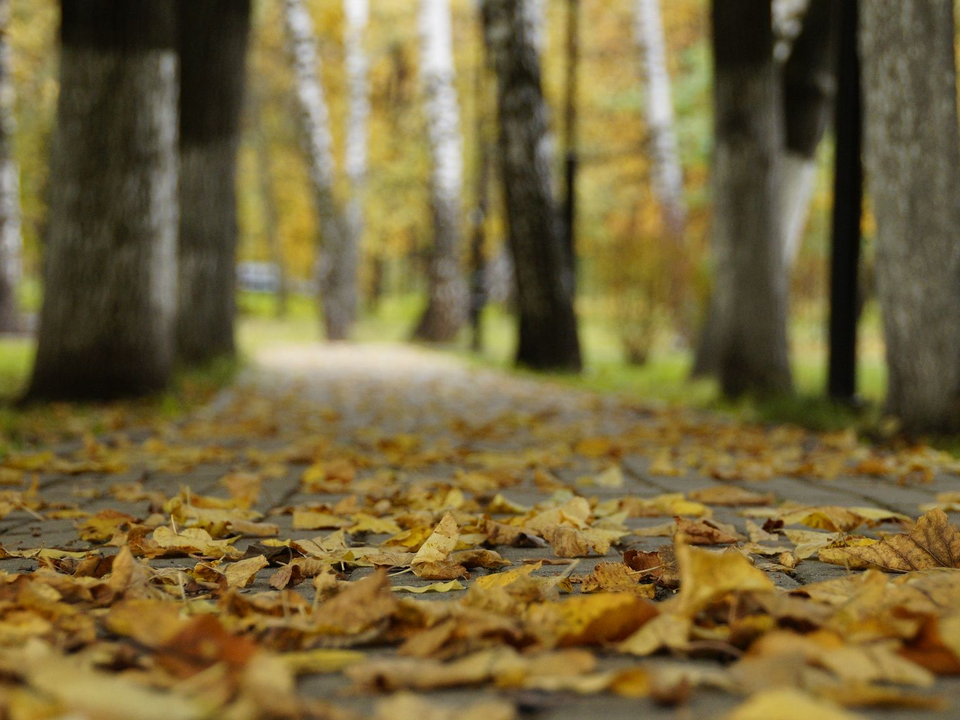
[(933, 542), (731, 495), (615, 577), (707, 532), (659, 566)]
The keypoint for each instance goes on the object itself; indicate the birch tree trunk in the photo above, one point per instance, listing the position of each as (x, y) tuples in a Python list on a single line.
[(912, 155), (212, 44), (337, 273), (11, 238), (750, 310), (809, 92), (668, 175), (548, 326), (106, 327), (357, 14), (446, 309)]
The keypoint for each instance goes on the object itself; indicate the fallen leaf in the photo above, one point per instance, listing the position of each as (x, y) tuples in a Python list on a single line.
[(933, 542), (432, 588), (731, 496), (788, 704)]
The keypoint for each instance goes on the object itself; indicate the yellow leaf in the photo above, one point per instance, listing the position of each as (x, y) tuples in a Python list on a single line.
[(315, 520), (193, 541), (730, 495), (312, 662), (788, 704), (506, 578), (706, 577), (433, 588), (664, 631), (241, 573), (590, 619), (440, 544)]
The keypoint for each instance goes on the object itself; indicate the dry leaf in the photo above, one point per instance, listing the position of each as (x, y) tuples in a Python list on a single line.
[(731, 496), (933, 542)]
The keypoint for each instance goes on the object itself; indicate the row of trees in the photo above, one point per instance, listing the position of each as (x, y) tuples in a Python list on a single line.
[(911, 150), (142, 236)]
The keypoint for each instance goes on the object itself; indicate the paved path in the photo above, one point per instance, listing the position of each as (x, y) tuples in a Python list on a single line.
[(380, 417)]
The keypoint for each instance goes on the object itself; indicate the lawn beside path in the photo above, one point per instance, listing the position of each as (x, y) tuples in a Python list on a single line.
[(385, 531)]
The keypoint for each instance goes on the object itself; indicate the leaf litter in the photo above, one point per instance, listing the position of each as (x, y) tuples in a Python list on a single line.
[(456, 556)]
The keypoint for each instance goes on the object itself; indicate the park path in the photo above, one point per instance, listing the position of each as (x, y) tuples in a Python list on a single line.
[(321, 433)]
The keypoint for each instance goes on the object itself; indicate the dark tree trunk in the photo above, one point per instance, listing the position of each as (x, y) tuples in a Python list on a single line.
[(478, 240), (847, 213), (809, 90), (106, 327), (911, 142), (212, 44), (548, 325), (750, 310)]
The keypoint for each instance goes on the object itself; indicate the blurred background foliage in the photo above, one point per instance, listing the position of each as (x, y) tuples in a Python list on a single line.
[(641, 294)]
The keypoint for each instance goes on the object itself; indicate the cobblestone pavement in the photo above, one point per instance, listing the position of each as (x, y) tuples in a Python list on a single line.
[(387, 415)]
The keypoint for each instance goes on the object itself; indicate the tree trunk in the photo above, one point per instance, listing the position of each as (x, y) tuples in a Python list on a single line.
[(357, 14), (106, 327), (446, 309), (809, 90), (847, 213), (11, 239), (668, 175), (212, 43), (478, 241), (337, 269), (750, 311), (548, 326), (912, 156)]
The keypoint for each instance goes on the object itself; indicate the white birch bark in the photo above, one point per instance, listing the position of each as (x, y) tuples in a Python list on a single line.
[(337, 271), (11, 238), (668, 175), (787, 23), (799, 178), (357, 14), (537, 12), (447, 303)]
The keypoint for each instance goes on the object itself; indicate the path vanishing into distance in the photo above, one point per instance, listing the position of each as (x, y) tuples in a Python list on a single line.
[(389, 532)]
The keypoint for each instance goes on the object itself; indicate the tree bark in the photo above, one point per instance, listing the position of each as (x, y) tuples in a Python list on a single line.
[(446, 309), (337, 269), (668, 174), (11, 238), (912, 156), (847, 213), (750, 311), (809, 90), (548, 326), (571, 117), (106, 327), (357, 15), (212, 44)]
